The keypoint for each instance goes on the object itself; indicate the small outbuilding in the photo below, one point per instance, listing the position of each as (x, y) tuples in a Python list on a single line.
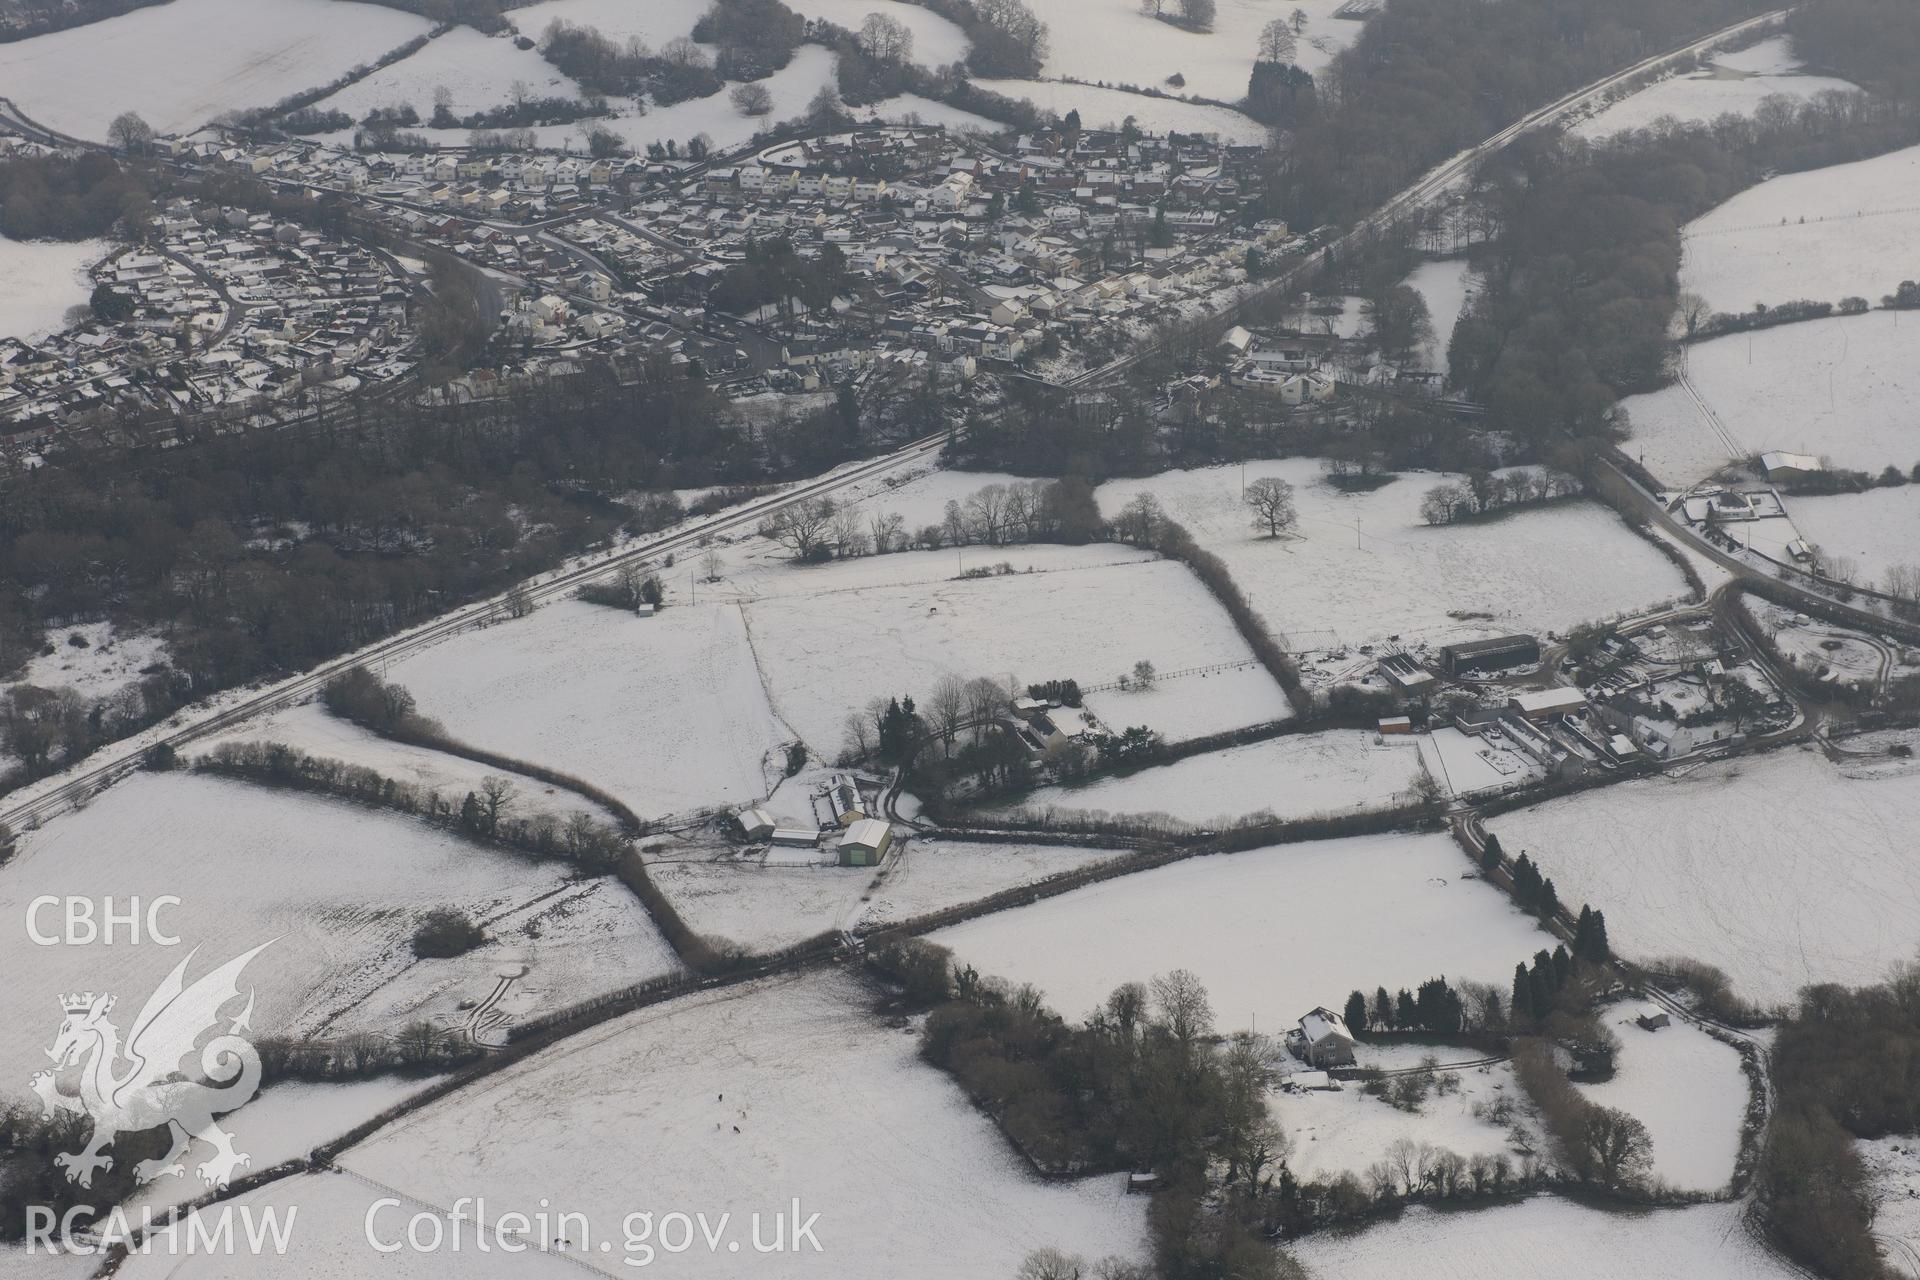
[(1396, 724), (865, 843), (796, 837), (756, 824), (1652, 1018)]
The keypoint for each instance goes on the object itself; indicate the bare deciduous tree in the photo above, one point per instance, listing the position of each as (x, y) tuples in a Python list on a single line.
[(1278, 42), (802, 528), (1180, 1000), (946, 710), (886, 38), (1271, 501), (752, 99), (496, 797)]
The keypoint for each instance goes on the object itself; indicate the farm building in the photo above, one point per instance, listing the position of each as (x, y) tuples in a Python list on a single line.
[(1494, 654), (843, 798), (757, 824), (865, 843), (1781, 467), (1403, 673), (796, 837), (1652, 1018), (1329, 1042), (1396, 724), (1545, 704)]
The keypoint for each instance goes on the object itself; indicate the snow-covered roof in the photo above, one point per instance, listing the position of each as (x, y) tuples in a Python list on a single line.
[(1322, 1023)]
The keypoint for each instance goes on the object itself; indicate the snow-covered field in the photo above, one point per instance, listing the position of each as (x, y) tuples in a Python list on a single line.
[(1780, 869), (931, 874), (1734, 83), (1446, 285), (1893, 1170), (106, 664), (1771, 389), (1687, 1088), (309, 728), (329, 1214), (763, 908), (41, 279), (1543, 570), (1548, 1237), (1824, 234), (286, 1121), (181, 64), (665, 712), (936, 41), (1113, 42), (1346, 1131), (478, 71), (1271, 932), (654, 23), (1878, 529), (742, 1101), (1290, 777), (339, 887), (1109, 108), (831, 651)]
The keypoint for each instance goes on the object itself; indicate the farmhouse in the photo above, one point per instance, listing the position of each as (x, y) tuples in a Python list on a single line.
[(1329, 1042), (865, 843), (1494, 654)]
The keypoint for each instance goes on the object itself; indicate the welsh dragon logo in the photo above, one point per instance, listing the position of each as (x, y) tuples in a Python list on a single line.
[(140, 1085)]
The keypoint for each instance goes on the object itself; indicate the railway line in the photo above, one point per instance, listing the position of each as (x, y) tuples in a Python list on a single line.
[(37, 803)]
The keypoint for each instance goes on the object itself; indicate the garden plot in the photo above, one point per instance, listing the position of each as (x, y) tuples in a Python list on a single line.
[(1109, 108), (1878, 530), (829, 652), (1359, 568), (667, 712), (1824, 234), (182, 64), (102, 665), (1347, 1131), (1687, 1088), (1547, 1236), (1271, 933), (1771, 390), (1779, 869), (42, 279), (477, 71), (1446, 286), (309, 728), (337, 889), (1731, 84), (932, 874), (740, 1102), (1289, 777)]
